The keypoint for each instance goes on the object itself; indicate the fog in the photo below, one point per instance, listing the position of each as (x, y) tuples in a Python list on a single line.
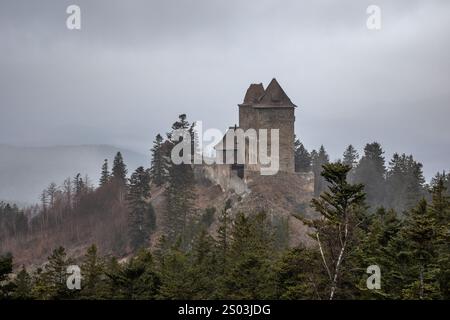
[(135, 65)]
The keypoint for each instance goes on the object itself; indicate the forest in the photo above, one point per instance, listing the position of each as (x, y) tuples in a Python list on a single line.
[(370, 213)]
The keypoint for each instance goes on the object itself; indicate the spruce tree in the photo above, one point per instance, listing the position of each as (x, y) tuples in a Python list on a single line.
[(302, 157), (92, 272), (203, 266), (419, 234), (119, 170), (371, 172), (298, 275), (319, 159), (105, 175), (23, 286), (180, 192), (176, 278), (6, 264), (341, 208), (142, 215), (224, 236), (158, 170), (136, 279), (54, 276), (249, 274), (350, 156), (404, 182)]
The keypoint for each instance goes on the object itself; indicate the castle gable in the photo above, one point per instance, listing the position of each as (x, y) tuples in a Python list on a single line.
[(274, 96)]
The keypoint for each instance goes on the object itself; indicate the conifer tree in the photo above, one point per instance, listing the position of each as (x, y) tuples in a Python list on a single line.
[(142, 215), (92, 272), (159, 164), (136, 279), (350, 157), (371, 172), (105, 175), (318, 160), (224, 236), (54, 276), (420, 238), (405, 182), (180, 192), (249, 274), (119, 170), (302, 157), (176, 278), (298, 275), (6, 264), (203, 266), (22, 286), (341, 208)]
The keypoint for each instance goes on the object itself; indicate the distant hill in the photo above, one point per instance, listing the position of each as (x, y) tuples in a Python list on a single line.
[(26, 171)]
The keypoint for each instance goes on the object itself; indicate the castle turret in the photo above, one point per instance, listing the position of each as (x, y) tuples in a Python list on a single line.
[(270, 109)]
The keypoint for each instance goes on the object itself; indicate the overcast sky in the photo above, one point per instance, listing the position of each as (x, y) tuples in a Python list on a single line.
[(135, 65)]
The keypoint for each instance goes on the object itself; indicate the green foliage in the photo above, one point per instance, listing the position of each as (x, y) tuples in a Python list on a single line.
[(404, 183), (160, 162), (142, 216), (342, 208), (302, 157), (22, 286), (180, 193), (52, 280), (119, 170), (371, 172), (105, 175), (318, 159), (135, 279)]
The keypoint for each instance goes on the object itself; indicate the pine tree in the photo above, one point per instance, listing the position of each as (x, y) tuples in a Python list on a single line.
[(180, 193), (224, 237), (419, 233), (23, 286), (92, 272), (119, 170), (371, 172), (176, 278), (298, 275), (405, 182), (440, 211), (142, 215), (159, 165), (54, 276), (319, 159), (203, 266), (6, 264), (350, 156), (136, 279), (341, 208), (249, 274), (105, 175), (379, 246), (302, 157)]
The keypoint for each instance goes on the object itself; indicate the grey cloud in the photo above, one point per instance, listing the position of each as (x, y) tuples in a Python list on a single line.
[(136, 65)]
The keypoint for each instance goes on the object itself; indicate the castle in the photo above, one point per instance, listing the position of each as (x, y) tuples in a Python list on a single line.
[(263, 109)]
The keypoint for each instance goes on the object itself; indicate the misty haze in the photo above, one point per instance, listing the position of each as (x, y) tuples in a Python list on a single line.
[(93, 95)]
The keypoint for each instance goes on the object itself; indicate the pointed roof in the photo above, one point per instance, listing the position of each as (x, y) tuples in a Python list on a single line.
[(275, 96), (254, 92)]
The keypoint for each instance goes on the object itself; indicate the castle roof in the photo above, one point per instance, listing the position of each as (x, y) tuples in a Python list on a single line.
[(273, 96), (254, 92)]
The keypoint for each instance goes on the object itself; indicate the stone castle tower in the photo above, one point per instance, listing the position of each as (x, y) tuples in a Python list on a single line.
[(266, 109)]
